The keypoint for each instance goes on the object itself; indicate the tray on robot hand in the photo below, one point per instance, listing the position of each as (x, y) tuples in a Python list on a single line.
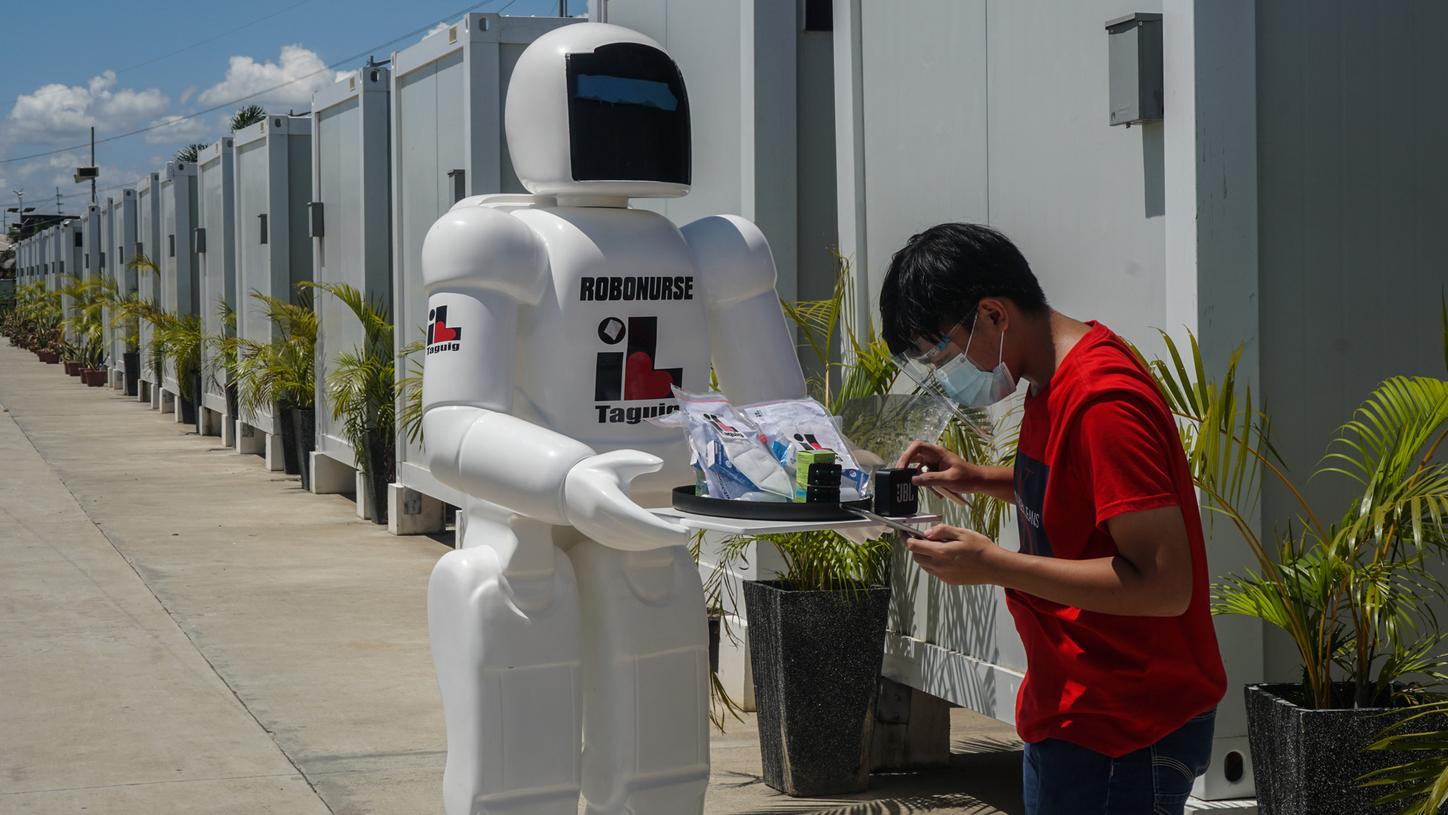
[(685, 500), (698, 512)]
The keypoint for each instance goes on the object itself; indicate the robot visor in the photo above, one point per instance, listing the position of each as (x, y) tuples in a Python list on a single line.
[(628, 116)]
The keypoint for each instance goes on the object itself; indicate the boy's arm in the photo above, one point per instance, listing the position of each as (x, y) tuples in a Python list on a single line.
[(1151, 576)]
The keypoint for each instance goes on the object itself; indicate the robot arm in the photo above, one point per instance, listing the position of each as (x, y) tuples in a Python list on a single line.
[(753, 351), (479, 266)]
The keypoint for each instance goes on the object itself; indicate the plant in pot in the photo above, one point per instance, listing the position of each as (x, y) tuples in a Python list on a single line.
[(362, 388), (124, 311), (141, 310), (181, 339), (221, 363), (281, 375), (816, 632), (1352, 592), (90, 299), (70, 318)]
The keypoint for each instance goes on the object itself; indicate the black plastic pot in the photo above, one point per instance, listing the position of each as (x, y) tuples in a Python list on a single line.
[(289, 441), (304, 435), (1307, 762), (131, 361), (186, 405), (816, 657), (378, 475), (715, 626)]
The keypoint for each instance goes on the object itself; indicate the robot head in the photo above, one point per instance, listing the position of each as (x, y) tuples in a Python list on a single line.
[(598, 109)]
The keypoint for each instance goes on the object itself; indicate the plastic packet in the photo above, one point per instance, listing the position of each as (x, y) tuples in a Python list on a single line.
[(792, 425), (728, 451)]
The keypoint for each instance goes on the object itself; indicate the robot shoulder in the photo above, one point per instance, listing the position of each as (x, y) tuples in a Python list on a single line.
[(482, 248), (732, 258)]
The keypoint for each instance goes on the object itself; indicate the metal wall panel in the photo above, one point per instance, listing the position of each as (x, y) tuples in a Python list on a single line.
[(1351, 244), (447, 115), (216, 275), (351, 189), (121, 250), (100, 260), (178, 250), (273, 184), (148, 245)]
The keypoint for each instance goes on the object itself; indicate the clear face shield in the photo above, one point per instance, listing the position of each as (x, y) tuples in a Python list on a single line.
[(937, 372)]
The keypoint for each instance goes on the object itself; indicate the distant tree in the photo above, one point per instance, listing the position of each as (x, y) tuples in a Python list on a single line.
[(189, 152), (247, 116)]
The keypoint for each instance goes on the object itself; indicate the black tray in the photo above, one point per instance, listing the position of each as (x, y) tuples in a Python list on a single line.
[(685, 500)]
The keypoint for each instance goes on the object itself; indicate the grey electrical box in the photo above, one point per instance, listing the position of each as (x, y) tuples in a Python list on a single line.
[(1134, 42)]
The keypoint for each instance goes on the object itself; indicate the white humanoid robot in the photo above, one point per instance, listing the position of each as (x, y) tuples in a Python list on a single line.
[(569, 630)]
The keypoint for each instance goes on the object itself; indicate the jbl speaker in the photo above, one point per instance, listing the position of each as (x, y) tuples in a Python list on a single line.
[(895, 493)]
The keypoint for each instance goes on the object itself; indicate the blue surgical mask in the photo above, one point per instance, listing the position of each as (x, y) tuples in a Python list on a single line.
[(968, 385)]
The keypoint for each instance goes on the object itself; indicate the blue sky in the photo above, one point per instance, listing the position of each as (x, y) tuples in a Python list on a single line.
[(112, 65)]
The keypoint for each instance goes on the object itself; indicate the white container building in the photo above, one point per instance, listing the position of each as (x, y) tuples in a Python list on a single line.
[(350, 225), (273, 255), (177, 192), (216, 278), (120, 250), (99, 261), (447, 143), (148, 283)]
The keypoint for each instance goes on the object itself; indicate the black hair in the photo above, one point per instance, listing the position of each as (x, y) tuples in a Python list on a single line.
[(941, 274)]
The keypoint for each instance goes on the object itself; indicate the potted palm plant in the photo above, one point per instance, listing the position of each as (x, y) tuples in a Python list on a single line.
[(181, 339), (86, 324), (124, 310), (281, 375), (362, 388), (1351, 590), (221, 363), (140, 310), (816, 631)]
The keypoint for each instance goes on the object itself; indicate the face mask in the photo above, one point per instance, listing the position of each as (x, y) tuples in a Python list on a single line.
[(968, 385)]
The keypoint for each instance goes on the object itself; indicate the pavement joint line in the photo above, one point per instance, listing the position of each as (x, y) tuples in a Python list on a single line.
[(169, 614), (158, 782)]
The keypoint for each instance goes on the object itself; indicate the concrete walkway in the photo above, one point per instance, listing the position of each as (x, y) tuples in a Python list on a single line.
[(182, 631)]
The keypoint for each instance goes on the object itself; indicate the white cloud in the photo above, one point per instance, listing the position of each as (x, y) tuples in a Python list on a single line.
[(56, 113), (175, 130), (301, 67)]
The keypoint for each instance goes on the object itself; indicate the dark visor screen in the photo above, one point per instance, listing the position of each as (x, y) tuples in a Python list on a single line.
[(628, 115), (622, 90)]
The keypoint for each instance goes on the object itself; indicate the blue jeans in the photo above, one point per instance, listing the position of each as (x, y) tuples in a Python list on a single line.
[(1062, 778)]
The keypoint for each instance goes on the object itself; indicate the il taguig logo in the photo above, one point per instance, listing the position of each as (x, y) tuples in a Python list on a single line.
[(441, 336), (629, 375)]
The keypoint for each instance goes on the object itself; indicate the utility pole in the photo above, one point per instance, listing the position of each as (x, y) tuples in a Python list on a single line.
[(93, 163), (57, 200)]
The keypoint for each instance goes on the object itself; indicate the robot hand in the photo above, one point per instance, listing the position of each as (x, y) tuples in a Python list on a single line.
[(597, 503)]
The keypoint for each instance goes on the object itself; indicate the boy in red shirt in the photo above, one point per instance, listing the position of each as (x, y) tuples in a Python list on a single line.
[(1109, 590)]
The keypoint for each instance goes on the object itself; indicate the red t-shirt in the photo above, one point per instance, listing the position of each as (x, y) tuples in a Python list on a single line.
[(1098, 442)]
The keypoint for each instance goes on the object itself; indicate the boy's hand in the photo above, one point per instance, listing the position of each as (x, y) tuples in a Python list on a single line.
[(947, 474), (940, 468), (953, 555)]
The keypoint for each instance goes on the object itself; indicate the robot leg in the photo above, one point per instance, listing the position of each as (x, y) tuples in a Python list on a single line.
[(646, 681), (502, 613)]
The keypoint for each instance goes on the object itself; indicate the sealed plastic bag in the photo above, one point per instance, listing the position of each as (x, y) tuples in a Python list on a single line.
[(728, 450), (794, 425)]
